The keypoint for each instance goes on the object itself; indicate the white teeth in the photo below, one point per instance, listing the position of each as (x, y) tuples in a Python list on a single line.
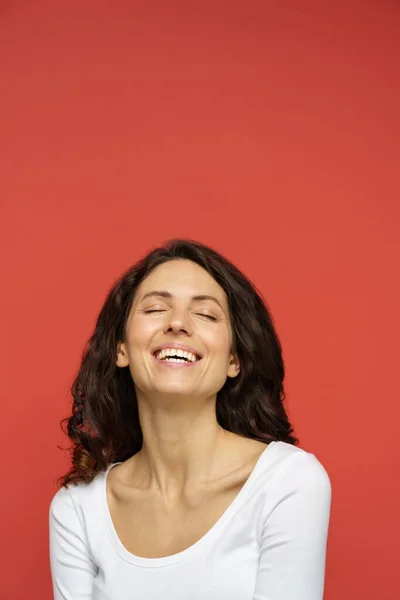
[(172, 352), (175, 360)]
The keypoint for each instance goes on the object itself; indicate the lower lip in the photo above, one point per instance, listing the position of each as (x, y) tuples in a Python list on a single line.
[(176, 365)]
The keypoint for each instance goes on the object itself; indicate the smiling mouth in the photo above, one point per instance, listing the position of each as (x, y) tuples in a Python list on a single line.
[(177, 360)]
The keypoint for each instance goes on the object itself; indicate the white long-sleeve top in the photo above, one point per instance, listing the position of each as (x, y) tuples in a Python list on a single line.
[(270, 543)]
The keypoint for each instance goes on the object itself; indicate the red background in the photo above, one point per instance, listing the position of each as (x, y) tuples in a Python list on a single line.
[(269, 130)]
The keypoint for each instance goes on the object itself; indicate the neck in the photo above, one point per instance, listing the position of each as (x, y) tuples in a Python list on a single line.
[(181, 448)]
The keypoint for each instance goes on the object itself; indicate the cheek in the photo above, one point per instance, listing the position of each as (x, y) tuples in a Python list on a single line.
[(142, 329), (140, 335), (219, 343)]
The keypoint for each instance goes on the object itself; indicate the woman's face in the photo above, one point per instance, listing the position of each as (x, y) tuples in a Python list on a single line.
[(176, 316)]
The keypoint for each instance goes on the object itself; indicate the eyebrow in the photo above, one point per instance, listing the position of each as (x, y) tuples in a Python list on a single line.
[(166, 294)]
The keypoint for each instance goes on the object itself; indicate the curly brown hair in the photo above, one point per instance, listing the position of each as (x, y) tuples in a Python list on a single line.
[(104, 426)]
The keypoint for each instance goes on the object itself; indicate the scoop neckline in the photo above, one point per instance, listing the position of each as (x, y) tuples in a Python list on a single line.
[(198, 545)]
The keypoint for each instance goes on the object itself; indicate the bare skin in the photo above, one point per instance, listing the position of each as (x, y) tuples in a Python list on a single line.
[(152, 527)]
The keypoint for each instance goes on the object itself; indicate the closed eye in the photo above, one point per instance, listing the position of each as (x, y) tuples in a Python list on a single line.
[(161, 310)]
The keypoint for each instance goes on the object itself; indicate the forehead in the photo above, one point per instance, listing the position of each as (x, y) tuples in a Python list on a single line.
[(181, 278)]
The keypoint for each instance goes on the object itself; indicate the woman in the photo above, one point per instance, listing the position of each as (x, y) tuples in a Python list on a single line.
[(186, 481)]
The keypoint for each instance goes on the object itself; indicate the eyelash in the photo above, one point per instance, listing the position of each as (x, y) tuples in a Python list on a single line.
[(201, 315)]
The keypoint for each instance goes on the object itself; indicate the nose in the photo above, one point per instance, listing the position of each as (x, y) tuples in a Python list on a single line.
[(179, 321)]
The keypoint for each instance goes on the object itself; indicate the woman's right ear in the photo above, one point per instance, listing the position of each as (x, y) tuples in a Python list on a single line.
[(122, 355)]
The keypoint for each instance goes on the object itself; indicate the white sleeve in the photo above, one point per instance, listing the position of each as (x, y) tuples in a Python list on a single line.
[(294, 534), (72, 568)]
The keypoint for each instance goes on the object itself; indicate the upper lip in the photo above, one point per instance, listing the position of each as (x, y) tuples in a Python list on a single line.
[(178, 347)]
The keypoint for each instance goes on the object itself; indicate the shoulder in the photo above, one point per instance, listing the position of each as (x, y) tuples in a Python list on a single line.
[(303, 467), (76, 500), (295, 472), (292, 492)]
